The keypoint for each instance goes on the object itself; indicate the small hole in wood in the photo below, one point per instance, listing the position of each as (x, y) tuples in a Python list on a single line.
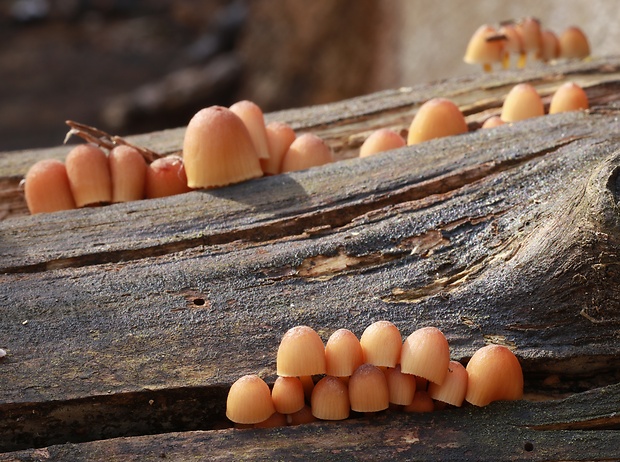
[(199, 301), (528, 446)]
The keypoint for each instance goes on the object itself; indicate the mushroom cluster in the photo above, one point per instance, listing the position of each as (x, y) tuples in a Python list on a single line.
[(494, 45), (221, 146), (376, 372)]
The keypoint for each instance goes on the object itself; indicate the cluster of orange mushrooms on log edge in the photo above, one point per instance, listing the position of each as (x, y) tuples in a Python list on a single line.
[(376, 372), (223, 146), (490, 45)]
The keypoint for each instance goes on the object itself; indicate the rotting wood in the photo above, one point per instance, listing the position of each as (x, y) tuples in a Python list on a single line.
[(506, 236)]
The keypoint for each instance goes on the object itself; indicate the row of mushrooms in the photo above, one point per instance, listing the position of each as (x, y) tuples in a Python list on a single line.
[(224, 146), (376, 372), (492, 45)]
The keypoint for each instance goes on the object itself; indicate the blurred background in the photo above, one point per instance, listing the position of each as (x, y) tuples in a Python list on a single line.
[(133, 66)]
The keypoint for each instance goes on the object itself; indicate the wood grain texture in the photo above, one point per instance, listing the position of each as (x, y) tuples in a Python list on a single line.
[(135, 318)]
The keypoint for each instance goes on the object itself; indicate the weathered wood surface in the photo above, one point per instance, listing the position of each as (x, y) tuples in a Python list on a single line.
[(135, 318)]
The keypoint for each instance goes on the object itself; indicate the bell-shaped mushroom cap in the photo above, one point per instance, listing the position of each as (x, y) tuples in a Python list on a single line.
[(381, 140), (343, 353), (308, 150), (330, 399), (529, 30), (426, 353), (288, 395), (402, 386), (89, 175), (303, 416), (453, 388), (249, 401), (368, 389), (128, 172), (280, 136), (381, 343), (569, 97), (165, 177), (254, 121), (512, 44), (47, 187), (485, 47), (301, 352), (550, 46), (522, 102), (422, 402), (436, 118), (494, 374), (218, 150), (574, 44)]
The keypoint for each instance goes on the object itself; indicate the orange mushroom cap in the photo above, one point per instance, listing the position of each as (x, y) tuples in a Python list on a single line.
[(254, 121), (218, 150), (522, 102), (165, 177), (47, 187), (574, 44), (308, 150), (288, 395), (280, 136), (436, 118), (426, 353), (249, 401), (494, 373), (481, 50), (89, 175), (453, 388), (368, 389), (343, 353), (381, 140), (330, 399), (301, 352), (128, 172), (381, 343), (569, 97), (402, 386)]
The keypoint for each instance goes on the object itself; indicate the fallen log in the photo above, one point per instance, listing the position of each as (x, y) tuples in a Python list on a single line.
[(134, 319)]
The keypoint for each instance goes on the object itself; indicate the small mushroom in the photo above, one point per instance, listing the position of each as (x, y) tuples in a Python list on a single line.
[(47, 187), (275, 420), (574, 44), (343, 353), (494, 373), (522, 102), (493, 122), (401, 386), (381, 343), (368, 389), (381, 140), (513, 44), (288, 395), (569, 97), (301, 353), (89, 175), (218, 150), (165, 177), (550, 46), (249, 401), (128, 172), (436, 118), (330, 399), (452, 390), (485, 48), (426, 353), (254, 121), (280, 136), (529, 30), (303, 416), (308, 150)]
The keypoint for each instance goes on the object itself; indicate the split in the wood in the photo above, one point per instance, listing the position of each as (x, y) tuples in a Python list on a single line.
[(376, 372)]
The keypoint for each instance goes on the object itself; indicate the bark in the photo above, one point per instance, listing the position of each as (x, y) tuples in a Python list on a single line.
[(134, 319)]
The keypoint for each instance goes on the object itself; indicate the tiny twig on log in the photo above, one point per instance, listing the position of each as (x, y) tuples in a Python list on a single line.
[(105, 140)]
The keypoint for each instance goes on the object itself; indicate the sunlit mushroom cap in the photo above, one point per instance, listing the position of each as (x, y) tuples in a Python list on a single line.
[(249, 401), (529, 30), (569, 97), (89, 175), (330, 399), (426, 353), (381, 343), (128, 171), (436, 118), (218, 150), (522, 102), (47, 187), (453, 388), (280, 136), (483, 51), (494, 374), (402, 386), (574, 44), (308, 150), (381, 140), (301, 352), (368, 389), (288, 395), (343, 353), (550, 46), (254, 121), (165, 177)]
